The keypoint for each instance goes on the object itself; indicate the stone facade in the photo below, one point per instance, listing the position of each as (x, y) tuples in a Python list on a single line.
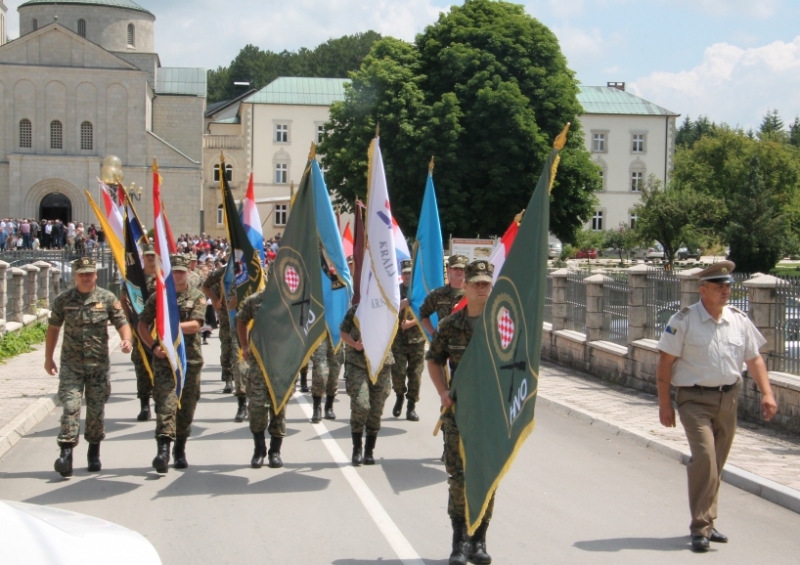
[(3, 31)]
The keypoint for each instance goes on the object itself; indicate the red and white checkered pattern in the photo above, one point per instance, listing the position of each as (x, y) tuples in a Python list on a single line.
[(292, 278), (505, 325)]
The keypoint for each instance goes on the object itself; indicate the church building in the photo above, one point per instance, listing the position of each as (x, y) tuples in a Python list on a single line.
[(83, 82)]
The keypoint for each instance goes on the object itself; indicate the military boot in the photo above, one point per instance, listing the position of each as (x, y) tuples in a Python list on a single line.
[(411, 414), (274, 453), (369, 447), (329, 414), (144, 415), (228, 386), (398, 406), (460, 543), (304, 379), (179, 452), (161, 460), (93, 457), (316, 416), (358, 458), (260, 450), (63, 464), (241, 413), (477, 543)]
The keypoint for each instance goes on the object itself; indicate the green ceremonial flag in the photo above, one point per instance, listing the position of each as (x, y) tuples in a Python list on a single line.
[(497, 379), (290, 323)]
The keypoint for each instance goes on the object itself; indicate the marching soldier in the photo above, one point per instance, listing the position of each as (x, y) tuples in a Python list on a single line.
[(85, 312), (173, 423), (325, 378), (443, 299), (366, 399), (409, 353), (262, 414), (449, 343), (144, 384)]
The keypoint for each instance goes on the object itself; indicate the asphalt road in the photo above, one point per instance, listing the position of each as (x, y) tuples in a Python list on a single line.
[(574, 495)]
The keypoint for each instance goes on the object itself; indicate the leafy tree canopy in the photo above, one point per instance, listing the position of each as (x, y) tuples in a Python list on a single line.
[(485, 90), (335, 58)]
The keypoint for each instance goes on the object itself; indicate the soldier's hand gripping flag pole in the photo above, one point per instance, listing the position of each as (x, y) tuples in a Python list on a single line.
[(497, 381)]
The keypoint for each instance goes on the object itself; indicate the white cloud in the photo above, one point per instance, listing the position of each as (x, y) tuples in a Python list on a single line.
[(732, 84)]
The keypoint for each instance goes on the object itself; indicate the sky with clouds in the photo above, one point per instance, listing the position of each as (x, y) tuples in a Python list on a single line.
[(732, 60)]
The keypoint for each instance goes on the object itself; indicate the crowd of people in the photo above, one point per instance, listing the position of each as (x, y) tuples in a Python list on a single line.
[(28, 233)]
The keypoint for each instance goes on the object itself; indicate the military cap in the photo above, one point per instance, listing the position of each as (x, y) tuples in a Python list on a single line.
[(84, 265), (406, 266), (718, 272), (179, 262), (457, 261), (479, 271), (149, 249)]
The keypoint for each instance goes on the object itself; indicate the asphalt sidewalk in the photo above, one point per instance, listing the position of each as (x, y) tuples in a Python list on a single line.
[(763, 461)]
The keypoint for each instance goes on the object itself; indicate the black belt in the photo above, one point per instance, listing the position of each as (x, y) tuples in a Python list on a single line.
[(721, 388)]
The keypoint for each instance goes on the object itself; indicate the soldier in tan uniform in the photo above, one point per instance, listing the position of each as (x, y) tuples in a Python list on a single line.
[(443, 299), (85, 312), (701, 354)]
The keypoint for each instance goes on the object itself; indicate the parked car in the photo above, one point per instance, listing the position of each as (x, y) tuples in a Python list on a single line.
[(655, 252), (685, 253), (586, 254), (554, 250)]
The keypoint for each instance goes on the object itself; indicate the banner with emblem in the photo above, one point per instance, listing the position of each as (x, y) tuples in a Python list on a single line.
[(497, 380), (290, 323)]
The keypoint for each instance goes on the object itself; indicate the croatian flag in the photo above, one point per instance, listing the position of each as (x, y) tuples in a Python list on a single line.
[(113, 212), (252, 221), (347, 241), (168, 328)]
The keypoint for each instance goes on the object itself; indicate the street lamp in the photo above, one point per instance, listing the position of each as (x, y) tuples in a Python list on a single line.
[(112, 175)]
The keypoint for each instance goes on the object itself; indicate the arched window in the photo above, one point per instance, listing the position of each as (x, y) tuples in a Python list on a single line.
[(87, 136), (82, 28), (131, 35), (25, 133), (35, 24), (220, 215), (56, 135), (228, 173)]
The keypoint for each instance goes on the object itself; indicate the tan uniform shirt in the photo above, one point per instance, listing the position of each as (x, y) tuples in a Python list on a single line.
[(709, 352)]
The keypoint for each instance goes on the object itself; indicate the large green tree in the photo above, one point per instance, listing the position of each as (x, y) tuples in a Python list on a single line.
[(485, 90)]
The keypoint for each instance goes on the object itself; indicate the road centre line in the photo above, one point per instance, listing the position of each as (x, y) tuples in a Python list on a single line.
[(388, 528)]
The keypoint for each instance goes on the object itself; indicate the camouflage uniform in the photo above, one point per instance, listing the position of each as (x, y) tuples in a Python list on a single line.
[(173, 422), (84, 359), (260, 407), (441, 301), (366, 399), (144, 385), (408, 349), (325, 373), (229, 342)]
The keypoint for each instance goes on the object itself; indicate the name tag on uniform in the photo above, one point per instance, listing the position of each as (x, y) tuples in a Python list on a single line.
[(72, 307)]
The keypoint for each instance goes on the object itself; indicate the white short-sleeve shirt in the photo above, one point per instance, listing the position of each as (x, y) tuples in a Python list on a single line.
[(709, 352)]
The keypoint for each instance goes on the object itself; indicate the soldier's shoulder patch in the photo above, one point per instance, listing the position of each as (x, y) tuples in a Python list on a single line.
[(670, 330), (117, 305)]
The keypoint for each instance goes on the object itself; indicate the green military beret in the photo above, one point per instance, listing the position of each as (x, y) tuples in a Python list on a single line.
[(479, 271)]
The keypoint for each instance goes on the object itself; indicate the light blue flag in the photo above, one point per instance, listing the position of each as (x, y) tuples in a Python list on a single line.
[(428, 273), (337, 287)]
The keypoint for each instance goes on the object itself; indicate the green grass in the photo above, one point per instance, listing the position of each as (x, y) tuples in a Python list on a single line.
[(16, 343), (790, 271)]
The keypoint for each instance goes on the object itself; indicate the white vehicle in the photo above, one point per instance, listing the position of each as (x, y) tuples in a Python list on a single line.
[(43, 535)]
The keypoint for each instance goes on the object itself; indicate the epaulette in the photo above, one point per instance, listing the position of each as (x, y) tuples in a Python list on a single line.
[(735, 309), (682, 313)]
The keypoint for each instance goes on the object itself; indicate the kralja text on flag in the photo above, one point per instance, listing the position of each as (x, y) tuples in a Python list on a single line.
[(428, 273), (337, 287), (168, 320), (376, 315), (248, 275), (290, 323), (114, 242), (497, 379)]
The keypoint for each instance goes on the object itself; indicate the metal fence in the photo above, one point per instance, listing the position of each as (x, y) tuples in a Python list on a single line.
[(663, 299), (576, 301), (107, 272), (786, 357), (615, 308)]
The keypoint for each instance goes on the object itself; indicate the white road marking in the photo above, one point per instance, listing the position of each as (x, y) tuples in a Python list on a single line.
[(388, 528)]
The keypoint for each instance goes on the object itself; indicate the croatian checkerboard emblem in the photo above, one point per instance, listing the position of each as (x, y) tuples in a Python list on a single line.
[(292, 279), (505, 326)]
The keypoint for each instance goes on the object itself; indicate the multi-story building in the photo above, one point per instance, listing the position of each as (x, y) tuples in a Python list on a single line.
[(3, 32), (630, 139), (83, 82)]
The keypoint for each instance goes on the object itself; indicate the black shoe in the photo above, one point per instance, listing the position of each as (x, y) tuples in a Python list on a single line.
[(369, 447), (398, 406), (274, 453), (144, 415), (260, 450), (329, 414), (304, 379), (358, 457), (93, 457), (717, 537), (228, 387), (699, 544), (477, 546), (460, 543), (316, 416), (179, 452), (161, 460), (411, 414), (241, 413), (63, 464)]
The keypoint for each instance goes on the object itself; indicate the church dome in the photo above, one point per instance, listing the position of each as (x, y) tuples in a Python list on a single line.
[(112, 3)]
